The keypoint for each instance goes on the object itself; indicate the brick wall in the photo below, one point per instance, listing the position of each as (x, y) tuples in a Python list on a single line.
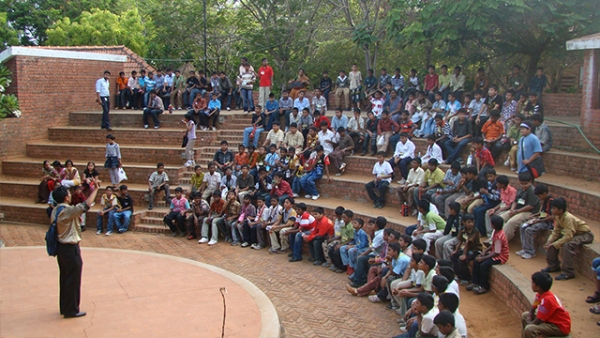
[(561, 104), (48, 89)]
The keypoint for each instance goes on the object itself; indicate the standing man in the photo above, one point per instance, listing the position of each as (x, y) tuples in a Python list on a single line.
[(103, 92), (68, 255), (265, 76)]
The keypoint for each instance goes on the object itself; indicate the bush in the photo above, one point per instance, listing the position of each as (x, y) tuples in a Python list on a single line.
[(9, 104)]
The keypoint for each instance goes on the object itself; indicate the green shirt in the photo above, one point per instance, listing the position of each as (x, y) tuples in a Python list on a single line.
[(514, 132), (197, 180), (179, 82), (445, 80), (435, 221), (435, 177), (347, 233)]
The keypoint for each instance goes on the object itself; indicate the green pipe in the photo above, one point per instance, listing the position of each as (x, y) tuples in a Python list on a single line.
[(580, 131)]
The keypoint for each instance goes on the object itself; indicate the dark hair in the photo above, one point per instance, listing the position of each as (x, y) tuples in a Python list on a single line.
[(494, 113), (178, 189), (478, 91), (542, 279), (429, 260), (525, 177), (444, 318), (431, 137), (450, 301), (318, 210), (440, 283), (278, 174), (159, 164), (471, 170), (497, 222), (340, 129), (538, 118), (418, 160), (502, 179), (59, 194), (381, 153), (433, 162), (455, 165), (420, 244), (425, 299), (359, 221), (494, 87), (381, 222), (406, 238), (395, 246), (290, 199), (468, 217), (123, 187), (559, 203), (110, 137), (534, 94), (444, 262), (302, 206), (454, 206), (447, 272), (349, 213), (224, 142), (425, 205), (540, 189), (477, 140)]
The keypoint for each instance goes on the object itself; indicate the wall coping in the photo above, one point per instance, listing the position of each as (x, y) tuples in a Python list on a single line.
[(11, 52)]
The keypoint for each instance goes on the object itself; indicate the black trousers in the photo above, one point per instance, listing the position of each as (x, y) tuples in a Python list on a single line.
[(70, 266), (316, 248), (175, 216)]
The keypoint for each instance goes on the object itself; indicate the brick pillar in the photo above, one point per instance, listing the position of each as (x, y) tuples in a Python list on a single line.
[(590, 103)]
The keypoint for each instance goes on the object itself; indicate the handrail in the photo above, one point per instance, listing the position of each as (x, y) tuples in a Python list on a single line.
[(580, 131)]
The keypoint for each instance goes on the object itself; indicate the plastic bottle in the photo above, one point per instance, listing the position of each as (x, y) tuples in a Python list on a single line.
[(419, 155), (470, 160)]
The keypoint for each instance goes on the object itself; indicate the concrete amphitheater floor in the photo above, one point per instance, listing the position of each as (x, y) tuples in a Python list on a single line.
[(309, 301)]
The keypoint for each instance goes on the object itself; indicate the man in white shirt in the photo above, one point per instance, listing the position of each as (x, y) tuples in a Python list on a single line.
[(275, 136), (133, 87), (326, 138), (318, 102), (433, 151), (301, 102), (168, 88), (403, 155), (416, 175), (103, 99), (382, 171)]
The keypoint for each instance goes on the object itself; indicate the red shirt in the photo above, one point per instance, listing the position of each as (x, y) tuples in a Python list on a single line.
[(241, 159), (306, 221), (406, 127), (323, 227), (281, 189), (430, 81), (551, 310), (386, 125), (485, 157), (500, 246), (265, 74), (318, 122)]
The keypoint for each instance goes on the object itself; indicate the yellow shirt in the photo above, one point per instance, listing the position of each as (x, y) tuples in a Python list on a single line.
[(565, 228), (435, 177), (197, 180)]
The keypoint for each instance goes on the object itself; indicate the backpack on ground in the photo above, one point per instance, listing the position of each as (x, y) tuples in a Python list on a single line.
[(52, 235)]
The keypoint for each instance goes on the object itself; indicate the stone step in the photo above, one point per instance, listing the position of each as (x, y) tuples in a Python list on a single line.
[(133, 118), (133, 136), (137, 173)]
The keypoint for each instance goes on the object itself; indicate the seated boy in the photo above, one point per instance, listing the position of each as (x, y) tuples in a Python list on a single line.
[(452, 180), (177, 211), (158, 181), (211, 182), (469, 197), (358, 245), (232, 213), (445, 245), (507, 197), (122, 215), (490, 196), (434, 227), (524, 205), (383, 172), (422, 324), (493, 132), (445, 324), (270, 218), (551, 318), (537, 222), (215, 215), (285, 222), (568, 234), (255, 224), (497, 253), (305, 224), (196, 215), (333, 240), (376, 249), (196, 181), (405, 192), (343, 237), (449, 302), (469, 246), (108, 204), (323, 228), (434, 179), (484, 160)]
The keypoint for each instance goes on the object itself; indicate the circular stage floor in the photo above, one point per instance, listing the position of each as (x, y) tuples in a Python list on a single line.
[(129, 294)]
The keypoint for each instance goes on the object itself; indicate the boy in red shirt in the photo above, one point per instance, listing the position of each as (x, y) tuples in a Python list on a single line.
[(323, 229), (483, 157), (265, 77), (551, 319), (318, 118), (240, 159), (406, 125), (497, 253)]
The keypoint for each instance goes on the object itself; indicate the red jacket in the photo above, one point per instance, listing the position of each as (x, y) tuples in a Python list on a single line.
[(318, 122), (323, 227), (281, 189)]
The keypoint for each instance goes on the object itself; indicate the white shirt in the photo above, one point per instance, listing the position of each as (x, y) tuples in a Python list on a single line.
[(404, 150), (354, 125), (433, 152), (191, 134), (132, 83), (427, 325), (377, 106), (383, 169), (327, 136), (169, 80), (212, 181), (103, 87), (415, 176)]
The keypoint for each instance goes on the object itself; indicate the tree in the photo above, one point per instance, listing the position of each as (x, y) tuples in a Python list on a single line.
[(8, 35), (33, 17), (101, 27)]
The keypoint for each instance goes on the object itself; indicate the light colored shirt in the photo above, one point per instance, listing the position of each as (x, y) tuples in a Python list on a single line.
[(528, 145), (132, 83), (156, 103), (433, 151), (294, 140), (301, 104), (169, 80), (383, 169), (212, 181), (68, 226), (103, 87), (404, 150), (339, 122), (327, 136), (157, 179), (415, 177), (319, 103), (191, 134), (475, 107), (275, 137), (354, 125), (457, 82)]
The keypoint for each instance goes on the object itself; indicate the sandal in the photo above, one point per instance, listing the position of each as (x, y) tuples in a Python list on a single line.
[(595, 298), (595, 309)]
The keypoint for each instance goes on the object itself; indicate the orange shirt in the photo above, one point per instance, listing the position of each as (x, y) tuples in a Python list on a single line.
[(492, 130), (253, 159), (241, 159), (122, 82)]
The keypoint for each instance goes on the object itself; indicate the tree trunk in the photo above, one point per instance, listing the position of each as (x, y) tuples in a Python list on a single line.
[(534, 59)]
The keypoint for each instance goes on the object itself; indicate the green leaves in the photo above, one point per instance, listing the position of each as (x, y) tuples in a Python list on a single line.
[(9, 104)]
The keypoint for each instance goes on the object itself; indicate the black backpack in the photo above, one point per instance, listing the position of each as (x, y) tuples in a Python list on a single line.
[(52, 235)]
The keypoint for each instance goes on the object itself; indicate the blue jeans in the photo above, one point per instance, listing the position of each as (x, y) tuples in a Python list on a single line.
[(296, 187), (110, 218), (479, 214), (247, 132), (361, 269), (370, 143), (455, 149), (126, 219), (412, 331), (308, 182), (248, 101), (596, 267), (296, 243), (350, 256), (403, 164)]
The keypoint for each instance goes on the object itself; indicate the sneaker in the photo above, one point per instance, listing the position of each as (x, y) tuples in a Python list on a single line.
[(374, 299), (307, 196), (145, 126), (99, 232), (245, 112), (338, 174), (179, 108), (203, 240), (464, 282), (520, 252), (295, 195), (245, 244), (258, 247), (317, 263), (149, 207), (108, 233), (527, 256), (122, 231), (326, 265), (472, 286), (513, 169), (316, 197), (214, 128), (507, 163), (212, 242), (156, 127), (273, 251), (253, 246), (235, 243), (228, 109), (228, 239)]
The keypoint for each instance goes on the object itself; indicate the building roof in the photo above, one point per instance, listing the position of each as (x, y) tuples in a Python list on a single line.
[(133, 61), (585, 42), (11, 52)]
